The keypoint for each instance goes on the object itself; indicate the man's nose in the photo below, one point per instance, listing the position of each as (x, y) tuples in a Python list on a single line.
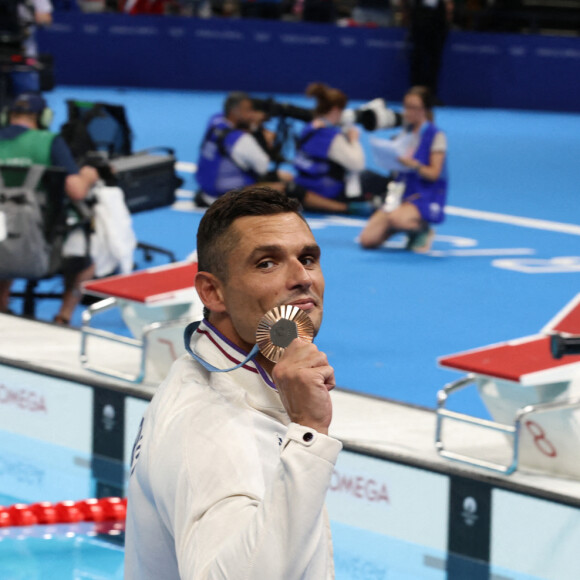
[(299, 275)]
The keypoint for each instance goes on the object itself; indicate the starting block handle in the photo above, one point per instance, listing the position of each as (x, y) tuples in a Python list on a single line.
[(571, 403), (443, 413), (143, 344), (87, 330), (511, 430)]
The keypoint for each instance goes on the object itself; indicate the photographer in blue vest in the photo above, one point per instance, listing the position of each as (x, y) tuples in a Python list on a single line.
[(330, 161), (26, 141), (417, 195), (230, 156), (237, 151)]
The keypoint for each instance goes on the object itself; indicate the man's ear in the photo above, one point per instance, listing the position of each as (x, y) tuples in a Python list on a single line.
[(210, 292)]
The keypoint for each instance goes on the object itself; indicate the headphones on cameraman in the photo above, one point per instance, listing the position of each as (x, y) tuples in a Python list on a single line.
[(28, 104)]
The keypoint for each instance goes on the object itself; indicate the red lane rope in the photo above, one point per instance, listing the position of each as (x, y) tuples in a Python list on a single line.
[(64, 512)]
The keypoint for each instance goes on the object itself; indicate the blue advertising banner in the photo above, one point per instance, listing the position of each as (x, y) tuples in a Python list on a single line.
[(479, 70), (512, 71)]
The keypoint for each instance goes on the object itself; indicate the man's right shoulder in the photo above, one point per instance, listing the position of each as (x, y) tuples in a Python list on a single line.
[(185, 381), (188, 400)]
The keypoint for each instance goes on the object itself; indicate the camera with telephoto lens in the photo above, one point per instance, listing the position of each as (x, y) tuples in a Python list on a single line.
[(372, 115), (272, 108)]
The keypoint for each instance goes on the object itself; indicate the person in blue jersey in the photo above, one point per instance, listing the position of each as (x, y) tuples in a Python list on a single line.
[(330, 160), (417, 196), (230, 156)]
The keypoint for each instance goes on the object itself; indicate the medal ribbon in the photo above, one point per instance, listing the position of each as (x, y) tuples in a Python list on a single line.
[(188, 333)]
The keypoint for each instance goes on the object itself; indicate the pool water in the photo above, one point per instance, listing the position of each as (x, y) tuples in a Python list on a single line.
[(59, 552)]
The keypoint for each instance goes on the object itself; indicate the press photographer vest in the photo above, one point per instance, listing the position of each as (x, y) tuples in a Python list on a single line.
[(432, 194), (217, 172), (316, 172), (31, 147)]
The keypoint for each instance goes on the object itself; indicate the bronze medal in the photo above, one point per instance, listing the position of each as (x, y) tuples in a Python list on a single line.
[(279, 327)]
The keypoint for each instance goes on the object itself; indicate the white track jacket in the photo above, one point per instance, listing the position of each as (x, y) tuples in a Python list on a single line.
[(223, 486)]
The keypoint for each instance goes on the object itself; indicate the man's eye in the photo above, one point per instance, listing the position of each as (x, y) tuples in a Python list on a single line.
[(265, 264), (308, 260)]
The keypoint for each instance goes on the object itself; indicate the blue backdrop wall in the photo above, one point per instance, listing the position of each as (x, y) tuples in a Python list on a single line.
[(479, 70)]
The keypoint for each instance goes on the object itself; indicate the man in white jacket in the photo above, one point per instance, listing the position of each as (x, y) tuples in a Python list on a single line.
[(230, 469)]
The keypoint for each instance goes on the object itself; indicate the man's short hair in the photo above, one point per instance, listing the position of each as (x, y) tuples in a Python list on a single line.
[(233, 100), (215, 238)]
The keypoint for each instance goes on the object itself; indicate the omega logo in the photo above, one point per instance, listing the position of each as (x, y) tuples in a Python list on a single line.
[(24, 399), (360, 486)]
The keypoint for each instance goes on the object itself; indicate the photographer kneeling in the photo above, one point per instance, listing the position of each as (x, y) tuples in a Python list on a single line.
[(417, 196), (330, 160)]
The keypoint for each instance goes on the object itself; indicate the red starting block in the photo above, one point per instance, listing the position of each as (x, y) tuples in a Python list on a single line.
[(533, 398), (156, 304)]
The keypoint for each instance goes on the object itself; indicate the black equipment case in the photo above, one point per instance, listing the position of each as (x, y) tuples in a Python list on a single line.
[(148, 179)]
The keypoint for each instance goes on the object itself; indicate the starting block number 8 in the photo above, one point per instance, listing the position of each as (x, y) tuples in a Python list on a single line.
[(540, 439)]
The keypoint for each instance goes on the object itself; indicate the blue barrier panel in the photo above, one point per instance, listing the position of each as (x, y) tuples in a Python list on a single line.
[(479, 70), (169, 52), (512, 71)]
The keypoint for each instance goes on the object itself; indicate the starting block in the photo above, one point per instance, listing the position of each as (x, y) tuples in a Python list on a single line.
[(156, 304), (532, 397)]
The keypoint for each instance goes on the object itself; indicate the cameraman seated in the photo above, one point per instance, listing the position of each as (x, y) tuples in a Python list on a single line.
[(330, 161), (26, 141)]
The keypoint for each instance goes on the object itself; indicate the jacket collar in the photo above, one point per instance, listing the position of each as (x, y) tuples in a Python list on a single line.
[(219, 351)]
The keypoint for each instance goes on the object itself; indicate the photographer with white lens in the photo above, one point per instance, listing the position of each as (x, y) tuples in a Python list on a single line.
[(330, 160)]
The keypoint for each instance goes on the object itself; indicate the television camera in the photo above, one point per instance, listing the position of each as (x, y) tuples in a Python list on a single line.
[(99, 134), (371, 116)]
